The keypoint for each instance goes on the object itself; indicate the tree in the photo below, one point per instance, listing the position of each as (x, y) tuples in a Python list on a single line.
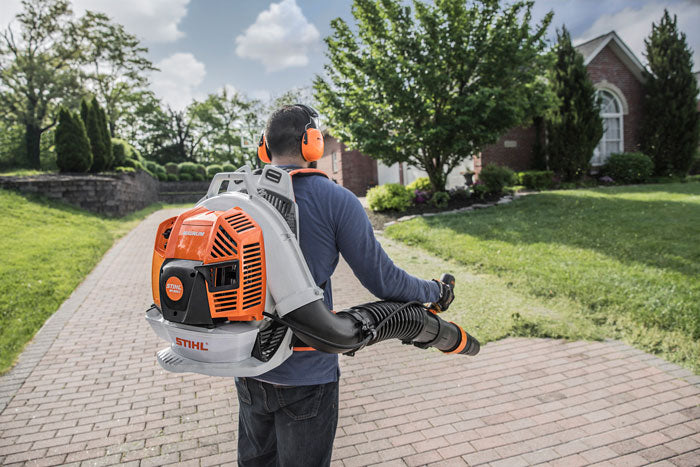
[(118, 63), (574, 127), (432, 86), (671, 125), (97, 133), (72, 145), (38, 68)]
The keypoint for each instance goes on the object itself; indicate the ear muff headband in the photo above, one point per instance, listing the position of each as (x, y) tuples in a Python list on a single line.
[(311, 141), (263, 151), (312, 144)]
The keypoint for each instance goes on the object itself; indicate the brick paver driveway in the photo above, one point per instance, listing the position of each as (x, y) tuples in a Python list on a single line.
[(88, 390)]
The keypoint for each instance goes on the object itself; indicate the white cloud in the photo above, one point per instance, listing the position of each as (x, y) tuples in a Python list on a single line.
[(178, 78), (280, 38), (151, 20), (633, 25)]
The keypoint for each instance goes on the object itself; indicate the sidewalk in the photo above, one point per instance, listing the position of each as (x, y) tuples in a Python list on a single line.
[(88, 391)]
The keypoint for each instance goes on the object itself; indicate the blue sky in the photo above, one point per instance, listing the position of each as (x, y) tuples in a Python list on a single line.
[(262, 48)]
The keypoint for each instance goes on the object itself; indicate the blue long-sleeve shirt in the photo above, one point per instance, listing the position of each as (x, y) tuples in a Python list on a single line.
[(332, 221)]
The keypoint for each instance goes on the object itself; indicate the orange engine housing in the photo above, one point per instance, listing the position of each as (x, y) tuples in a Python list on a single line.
[(225, 250)]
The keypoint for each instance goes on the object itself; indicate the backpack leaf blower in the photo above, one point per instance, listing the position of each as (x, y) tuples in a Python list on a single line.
[(231, 287)]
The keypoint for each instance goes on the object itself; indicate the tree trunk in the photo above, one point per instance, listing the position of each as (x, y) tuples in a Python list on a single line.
[(32, 140), (436, 176)]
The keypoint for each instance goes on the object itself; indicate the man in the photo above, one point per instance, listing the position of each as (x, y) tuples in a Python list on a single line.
[(288, 416)]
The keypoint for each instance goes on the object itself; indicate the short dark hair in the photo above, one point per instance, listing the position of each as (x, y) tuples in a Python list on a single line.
[(284, 130)]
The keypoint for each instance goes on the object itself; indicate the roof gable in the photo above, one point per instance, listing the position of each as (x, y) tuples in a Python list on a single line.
[(592, 48)]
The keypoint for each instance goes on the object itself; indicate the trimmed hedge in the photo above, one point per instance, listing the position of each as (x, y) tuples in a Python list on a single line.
[(171, 168), (389, 196), (185, 177), (172, 177), (187, 168), (214, 169), (229, 167), (537, 179), (629, 167), (495, 178)]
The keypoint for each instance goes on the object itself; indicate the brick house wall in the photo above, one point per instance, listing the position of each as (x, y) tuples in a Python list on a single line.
[(514, 149), (353, 170), (607, 67)]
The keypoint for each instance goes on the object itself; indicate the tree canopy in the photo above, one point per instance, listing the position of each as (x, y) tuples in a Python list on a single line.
[(671, 125), (433, 84)]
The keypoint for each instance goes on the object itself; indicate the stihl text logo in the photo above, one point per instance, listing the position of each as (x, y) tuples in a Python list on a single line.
[(191, 344), (173, 288)]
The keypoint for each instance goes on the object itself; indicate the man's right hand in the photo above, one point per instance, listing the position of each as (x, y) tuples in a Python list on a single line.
[(446, 296)]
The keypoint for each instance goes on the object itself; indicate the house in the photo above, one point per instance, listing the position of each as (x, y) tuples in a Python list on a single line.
[(617, 75)]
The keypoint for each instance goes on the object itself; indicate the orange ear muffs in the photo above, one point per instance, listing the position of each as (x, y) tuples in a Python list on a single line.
[(312, 144), (263, 151)]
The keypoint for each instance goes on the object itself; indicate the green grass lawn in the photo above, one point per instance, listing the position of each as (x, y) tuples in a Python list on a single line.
[(46, 249), (619, 262)]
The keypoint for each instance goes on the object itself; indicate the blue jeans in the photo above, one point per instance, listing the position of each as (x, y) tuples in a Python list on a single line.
[(286, 425)]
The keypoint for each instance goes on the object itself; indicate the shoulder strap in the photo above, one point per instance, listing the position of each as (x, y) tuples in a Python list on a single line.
[(307, 172)]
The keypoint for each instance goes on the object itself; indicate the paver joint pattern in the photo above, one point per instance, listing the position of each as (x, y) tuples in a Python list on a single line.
[(88, 391)]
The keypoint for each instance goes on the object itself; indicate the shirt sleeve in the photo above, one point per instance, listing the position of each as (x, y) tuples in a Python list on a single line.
[(368, 260)]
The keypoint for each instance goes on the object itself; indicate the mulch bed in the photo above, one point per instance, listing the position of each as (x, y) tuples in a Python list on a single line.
[(378, 219)]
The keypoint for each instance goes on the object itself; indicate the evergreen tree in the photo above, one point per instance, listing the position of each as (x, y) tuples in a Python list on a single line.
[(84, 110), (93, 125), (671, 123), (105, 135), (72, 145), (574, 127)]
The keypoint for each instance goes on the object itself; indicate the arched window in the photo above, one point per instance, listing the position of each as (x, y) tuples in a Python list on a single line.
[(612, 140)]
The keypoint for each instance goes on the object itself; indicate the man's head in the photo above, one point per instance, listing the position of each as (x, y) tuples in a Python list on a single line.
[(284, 133)]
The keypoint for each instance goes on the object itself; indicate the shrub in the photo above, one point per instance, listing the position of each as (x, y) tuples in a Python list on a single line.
[(187, 168), (213, 170), (228, 168), (151, 166), (422, 184), (480, 190), (630, 167), (389, 196), (162, 176), (72, 144), (185, 177), (201, 169), (495, 178), (124, 170), (119, 152), (171, 168), (693, 178), (440, 199), (173, 177), (198, 177), (537, 179), (460, 193), (695, 165), (420, 197)]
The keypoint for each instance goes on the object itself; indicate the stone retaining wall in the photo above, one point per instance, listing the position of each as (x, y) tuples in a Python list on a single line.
[(111, 195)]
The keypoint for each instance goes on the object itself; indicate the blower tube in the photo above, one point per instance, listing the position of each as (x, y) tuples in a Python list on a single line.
[(348, 331)]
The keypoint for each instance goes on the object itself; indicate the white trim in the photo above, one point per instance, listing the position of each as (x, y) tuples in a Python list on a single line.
[(623, 52), (615, 91), (621, 118)]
